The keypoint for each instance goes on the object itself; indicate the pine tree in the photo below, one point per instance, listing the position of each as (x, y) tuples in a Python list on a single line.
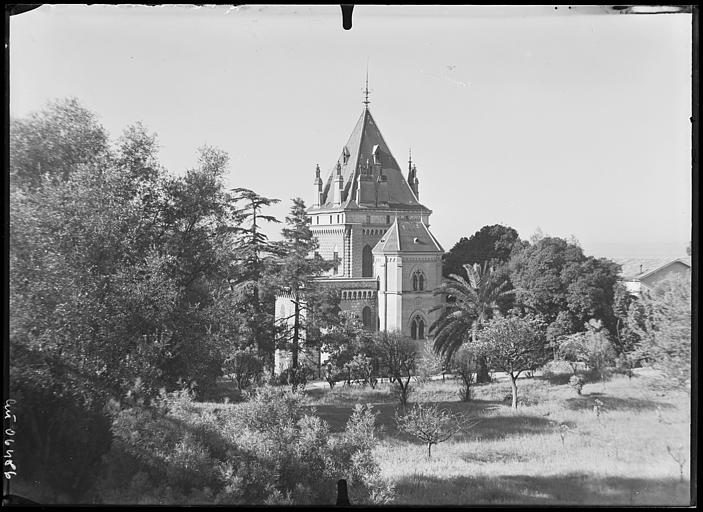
[(250, 277), (297, 266)]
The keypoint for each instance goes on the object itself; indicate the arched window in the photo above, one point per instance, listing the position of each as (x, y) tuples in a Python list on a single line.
[(367, 262), (367, 318), (418, 280), (417, 328)]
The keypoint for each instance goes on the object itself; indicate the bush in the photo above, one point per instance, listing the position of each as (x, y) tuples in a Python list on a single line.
[(557, 372), (591, 347), (264, 451), (244, 367), (577, 382), (60, 421), (431, 364), (464, 364)]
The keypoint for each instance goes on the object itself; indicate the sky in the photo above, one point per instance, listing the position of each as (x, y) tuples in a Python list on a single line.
[(572, 122)]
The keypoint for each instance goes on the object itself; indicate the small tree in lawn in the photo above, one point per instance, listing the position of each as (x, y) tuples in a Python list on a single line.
[(398, 356), (431, 363), (512, 345), (463, 363), (430, 425)]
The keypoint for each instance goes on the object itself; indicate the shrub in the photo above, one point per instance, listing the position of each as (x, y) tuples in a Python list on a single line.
[(577, 382), (463, 363), (244, 367), (264, 451), (591, 347), (431, 363), (362, 368)]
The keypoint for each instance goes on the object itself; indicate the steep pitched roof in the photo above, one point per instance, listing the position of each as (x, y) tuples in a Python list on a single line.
[(366, 137), (407, 236)]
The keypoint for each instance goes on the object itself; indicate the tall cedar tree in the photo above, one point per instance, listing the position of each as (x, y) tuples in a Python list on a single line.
[(297, 266), (250, 277)]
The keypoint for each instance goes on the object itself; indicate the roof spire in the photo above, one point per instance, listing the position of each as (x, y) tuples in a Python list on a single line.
[(366, 90), (410, 159)]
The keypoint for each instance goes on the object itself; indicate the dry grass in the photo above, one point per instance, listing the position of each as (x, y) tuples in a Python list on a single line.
[(553, 450)]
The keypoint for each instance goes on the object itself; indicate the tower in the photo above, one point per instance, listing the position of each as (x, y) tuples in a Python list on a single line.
[(366, 215)]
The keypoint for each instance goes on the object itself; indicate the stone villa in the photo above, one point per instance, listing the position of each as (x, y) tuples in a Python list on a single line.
[(367, 217)]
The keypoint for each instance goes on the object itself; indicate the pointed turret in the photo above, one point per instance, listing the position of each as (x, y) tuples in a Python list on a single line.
[(414, 182), (317, 197), (338, 186)]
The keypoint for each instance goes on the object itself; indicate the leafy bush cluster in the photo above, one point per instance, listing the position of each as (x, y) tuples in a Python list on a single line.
[(264, 451)]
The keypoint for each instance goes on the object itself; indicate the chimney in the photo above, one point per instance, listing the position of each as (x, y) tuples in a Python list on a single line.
[(365, 190), (382, 195)]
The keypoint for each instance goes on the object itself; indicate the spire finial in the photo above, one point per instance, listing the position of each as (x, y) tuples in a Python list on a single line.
[(366, 90), (410, 158)]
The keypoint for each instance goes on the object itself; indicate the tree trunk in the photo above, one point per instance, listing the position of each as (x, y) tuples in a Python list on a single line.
[(513, 385), (429, 450), (296, 332)]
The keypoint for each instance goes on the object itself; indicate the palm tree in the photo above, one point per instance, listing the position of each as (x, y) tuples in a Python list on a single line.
[(467, 306)]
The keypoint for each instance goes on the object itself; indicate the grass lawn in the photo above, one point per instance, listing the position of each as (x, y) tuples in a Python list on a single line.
[(519, 457)]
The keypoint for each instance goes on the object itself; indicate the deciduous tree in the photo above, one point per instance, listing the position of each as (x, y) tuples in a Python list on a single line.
[(512, 345)]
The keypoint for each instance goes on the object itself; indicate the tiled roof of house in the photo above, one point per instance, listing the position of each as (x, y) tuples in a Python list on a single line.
[(358, 150), (408, 236), (635, 269)]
